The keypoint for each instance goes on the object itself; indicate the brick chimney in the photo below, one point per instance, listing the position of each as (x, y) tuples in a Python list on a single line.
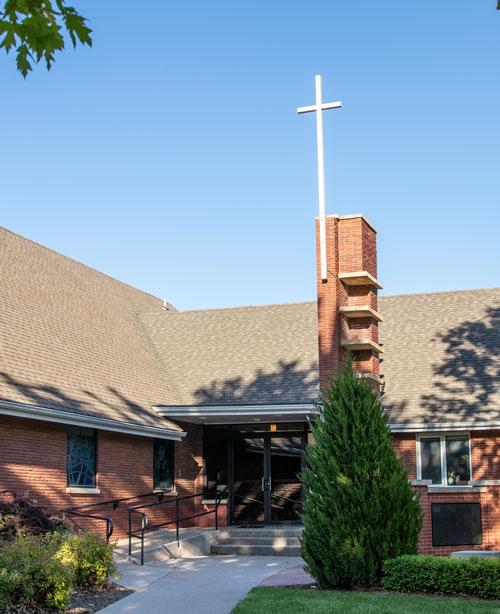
[(347, 299)]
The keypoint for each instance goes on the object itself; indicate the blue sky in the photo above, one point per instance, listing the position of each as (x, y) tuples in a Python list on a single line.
[(171, 156)]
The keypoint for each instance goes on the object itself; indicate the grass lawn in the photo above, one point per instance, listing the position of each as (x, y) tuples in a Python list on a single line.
[(276, 600)]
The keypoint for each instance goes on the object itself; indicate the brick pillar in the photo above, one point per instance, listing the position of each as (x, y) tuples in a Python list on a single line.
[(347, 300)]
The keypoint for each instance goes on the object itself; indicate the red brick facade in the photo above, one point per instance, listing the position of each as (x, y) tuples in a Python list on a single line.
[(485, 466), (33, 455)]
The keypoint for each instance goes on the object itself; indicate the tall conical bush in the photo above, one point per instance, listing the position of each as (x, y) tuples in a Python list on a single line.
[(359, 508)]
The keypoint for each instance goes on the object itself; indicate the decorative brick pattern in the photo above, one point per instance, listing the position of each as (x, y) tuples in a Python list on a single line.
[(351, 248)]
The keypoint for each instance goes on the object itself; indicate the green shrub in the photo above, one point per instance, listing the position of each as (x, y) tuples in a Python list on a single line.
[(29, 574), (359, 508), (41, 570), (90, 556), (432, 574)]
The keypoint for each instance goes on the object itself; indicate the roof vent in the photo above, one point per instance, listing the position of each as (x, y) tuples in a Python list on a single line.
[(165, 308)]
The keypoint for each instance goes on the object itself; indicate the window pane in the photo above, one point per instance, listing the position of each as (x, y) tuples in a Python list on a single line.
[(457, 459), (81, 457), (163, 463), (216, 455), (430, 457)]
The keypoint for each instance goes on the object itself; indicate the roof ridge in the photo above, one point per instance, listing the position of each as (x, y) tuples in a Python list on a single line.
[(243, 307), (438, 292), (82, 264)]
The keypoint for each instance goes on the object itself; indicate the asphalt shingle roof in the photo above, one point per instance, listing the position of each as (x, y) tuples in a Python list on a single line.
[(441, 360), (240, 356), (70, 338), (76, 340)]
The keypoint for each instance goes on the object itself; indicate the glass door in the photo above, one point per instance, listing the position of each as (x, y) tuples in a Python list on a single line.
[(250, 496), (285, 464)]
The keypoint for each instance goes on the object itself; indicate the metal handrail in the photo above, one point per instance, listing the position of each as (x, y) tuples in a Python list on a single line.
[(115, 501), (109, 521), (145, 519)]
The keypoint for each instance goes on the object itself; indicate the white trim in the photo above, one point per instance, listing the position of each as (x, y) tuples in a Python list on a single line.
[(231, 410), (420, 427), (81, 490), (442, 446), (438, 489), (104, 424)]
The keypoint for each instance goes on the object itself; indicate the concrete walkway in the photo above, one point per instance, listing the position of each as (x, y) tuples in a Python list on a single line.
[(202, 585)]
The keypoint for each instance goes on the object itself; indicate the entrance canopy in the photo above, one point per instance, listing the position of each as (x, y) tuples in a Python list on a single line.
[(239, 414)]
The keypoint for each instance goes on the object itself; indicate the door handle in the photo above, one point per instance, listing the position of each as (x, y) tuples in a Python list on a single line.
[(263, 483)]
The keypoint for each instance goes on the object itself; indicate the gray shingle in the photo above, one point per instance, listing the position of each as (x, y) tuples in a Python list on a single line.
[(74, 339), (245, 356), (441, 359), (70, 338)]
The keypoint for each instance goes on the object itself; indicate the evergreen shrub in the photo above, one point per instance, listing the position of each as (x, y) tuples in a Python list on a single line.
[(359, 508), (437, 574)]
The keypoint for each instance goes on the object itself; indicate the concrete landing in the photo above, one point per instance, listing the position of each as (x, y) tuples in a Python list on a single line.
[(161, 545)]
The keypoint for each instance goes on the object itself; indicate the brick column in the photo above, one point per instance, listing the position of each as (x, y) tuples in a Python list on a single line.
[(347, 300)]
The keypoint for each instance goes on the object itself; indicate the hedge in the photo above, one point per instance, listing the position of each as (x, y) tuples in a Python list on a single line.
[(431, 574)]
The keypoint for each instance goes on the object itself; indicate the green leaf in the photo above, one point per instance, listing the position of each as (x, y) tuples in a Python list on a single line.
[(9, 39), (23, 65), (36, 29), (75, 24)]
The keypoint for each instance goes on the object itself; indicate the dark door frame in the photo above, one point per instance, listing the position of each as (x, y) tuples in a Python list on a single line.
[(266, 479)]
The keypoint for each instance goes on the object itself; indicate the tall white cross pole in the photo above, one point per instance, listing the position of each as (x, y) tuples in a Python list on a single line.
[(319, 107)]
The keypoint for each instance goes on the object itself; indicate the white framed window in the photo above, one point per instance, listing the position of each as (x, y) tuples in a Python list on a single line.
[(444, 458)]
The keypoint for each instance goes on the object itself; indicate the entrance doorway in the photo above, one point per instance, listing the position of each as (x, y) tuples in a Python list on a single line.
[(265, 486)]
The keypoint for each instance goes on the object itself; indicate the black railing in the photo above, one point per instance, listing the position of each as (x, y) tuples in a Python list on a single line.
[(145, 526), (109, 521), (74, 511)]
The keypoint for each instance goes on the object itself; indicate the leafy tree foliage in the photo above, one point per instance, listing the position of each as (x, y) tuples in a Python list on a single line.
[(359, 508), (35, 29)]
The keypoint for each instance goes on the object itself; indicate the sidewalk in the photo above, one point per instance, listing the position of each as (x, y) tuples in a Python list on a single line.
[(202, 585)]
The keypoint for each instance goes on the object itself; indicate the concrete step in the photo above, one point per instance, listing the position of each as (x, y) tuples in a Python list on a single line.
[(254, 550), (257, 541), (265, 533)]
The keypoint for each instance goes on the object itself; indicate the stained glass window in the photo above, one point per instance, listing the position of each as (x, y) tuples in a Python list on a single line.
[(81, 457), (163, 463)]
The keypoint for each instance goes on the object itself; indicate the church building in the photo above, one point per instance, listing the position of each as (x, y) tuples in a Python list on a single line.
[(111, 398)]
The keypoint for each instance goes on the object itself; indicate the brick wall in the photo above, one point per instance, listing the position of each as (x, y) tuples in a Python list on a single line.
[(485, 465), (33, 462)]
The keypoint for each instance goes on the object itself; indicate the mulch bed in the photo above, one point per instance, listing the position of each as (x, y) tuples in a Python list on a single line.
[(83, 601)]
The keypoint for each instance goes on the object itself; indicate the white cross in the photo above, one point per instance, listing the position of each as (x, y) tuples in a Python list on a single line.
[(319, 107)]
